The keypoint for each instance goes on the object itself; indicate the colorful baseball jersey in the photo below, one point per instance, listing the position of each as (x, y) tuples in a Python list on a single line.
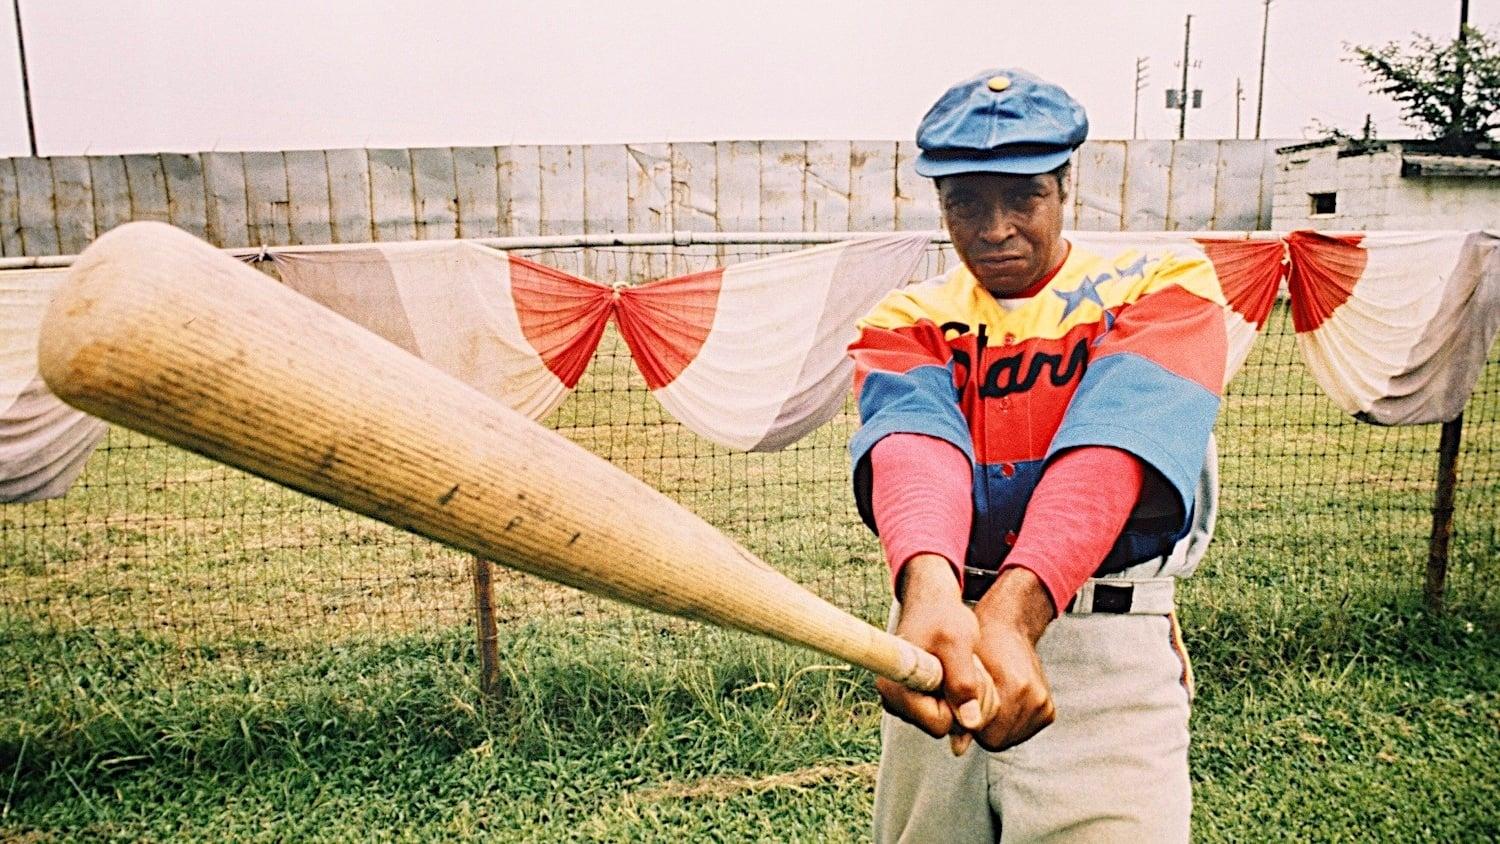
[(1124, 350)]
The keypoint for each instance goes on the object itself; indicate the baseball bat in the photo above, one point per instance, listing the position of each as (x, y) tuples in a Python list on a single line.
[(158, 331)]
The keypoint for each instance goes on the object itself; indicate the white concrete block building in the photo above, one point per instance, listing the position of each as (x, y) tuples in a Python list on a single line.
[(1337, 185)]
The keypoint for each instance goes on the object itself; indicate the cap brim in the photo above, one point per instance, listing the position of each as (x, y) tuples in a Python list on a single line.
[(1016, 165)]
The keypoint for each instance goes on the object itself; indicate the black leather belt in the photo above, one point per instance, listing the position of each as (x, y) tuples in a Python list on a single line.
[(1107, 597)]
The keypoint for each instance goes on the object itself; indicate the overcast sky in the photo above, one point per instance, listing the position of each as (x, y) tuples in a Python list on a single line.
[(149, 75)]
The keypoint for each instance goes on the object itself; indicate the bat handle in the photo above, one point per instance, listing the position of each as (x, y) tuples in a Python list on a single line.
[(925, 674), (919, 670)]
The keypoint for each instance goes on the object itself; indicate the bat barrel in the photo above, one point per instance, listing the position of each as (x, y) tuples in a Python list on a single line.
[(160, 332)]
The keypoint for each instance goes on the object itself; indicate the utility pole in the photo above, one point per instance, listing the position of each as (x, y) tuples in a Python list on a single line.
[(25, 78), (1141, 68), (1187, 42), (1260, 94), (1239, 97), (1458, 87)]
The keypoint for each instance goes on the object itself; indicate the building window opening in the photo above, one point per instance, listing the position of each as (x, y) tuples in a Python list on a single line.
[(1324, 204)]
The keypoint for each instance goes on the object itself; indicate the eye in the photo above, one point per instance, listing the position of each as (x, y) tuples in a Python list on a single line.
[(963, 206)]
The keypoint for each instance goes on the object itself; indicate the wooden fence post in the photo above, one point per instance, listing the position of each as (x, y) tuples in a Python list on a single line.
[(1442, 512), (487, 634)]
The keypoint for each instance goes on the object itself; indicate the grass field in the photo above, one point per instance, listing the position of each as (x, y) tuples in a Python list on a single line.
[(189, 654)]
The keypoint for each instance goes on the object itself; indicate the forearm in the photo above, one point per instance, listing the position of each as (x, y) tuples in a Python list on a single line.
[(1075, 516), (922, 500)]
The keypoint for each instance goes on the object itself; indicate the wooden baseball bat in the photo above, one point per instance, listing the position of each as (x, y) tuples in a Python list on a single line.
[(158, 331)]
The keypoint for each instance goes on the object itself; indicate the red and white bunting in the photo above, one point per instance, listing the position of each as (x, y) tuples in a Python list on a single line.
[(44, 443), (753, 356), (1396, 326), (515, 330)]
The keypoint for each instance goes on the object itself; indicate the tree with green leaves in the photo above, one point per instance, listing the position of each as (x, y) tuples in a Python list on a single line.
[(1450, 89)]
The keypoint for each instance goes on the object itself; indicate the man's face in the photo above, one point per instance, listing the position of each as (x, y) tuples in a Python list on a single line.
[(1006, 228)]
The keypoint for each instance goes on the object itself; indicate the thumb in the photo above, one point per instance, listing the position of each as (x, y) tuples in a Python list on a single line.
[(964, 682)]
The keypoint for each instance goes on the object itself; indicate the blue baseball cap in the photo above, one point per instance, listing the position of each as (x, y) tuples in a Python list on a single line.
[(1000, 121)]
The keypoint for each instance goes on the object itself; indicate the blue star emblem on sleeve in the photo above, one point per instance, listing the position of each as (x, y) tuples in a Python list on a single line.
[(1137, 268), (1085, 291)]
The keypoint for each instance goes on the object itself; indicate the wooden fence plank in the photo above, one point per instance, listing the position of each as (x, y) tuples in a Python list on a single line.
[(436, 192), (520, 174), (309, 212), (916, 198), (187, 197), (825, 197), (10, 210), (349, 215), (872, 186), (737, 178), (783, 166), (1237, 185), (227, 211), (694, 203), (38, 207), (605, 210), (1190, 200), (1269, 169), (737, 194), (478, 191), (1148, 167), (266, 198), (648, 206), (562, 201), (148, 188), (1098, 191), (74, 193), (392, 204)]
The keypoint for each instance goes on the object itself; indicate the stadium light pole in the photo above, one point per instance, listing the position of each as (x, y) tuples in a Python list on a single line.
[(25, 77)]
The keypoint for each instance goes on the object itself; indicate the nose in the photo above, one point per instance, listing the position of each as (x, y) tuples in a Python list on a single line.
[(998, 226)]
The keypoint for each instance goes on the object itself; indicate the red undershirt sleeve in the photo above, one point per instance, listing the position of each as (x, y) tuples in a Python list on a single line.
[(1075, 516), (921, 492)]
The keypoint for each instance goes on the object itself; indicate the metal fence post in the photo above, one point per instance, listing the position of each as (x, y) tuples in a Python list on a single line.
[(487, 635), (1442, 512)]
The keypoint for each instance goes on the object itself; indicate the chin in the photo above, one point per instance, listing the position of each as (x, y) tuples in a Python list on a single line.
[(1003, 286)]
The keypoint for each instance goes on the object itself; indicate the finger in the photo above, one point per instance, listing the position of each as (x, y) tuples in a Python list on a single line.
[(929, 714), (989, 694), (959, 743), (964, 682), (1020, 724)]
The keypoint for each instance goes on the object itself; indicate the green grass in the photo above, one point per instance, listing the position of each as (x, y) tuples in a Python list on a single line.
[(186, 653)]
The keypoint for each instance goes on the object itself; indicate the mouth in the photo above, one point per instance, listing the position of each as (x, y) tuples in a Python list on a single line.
[(1001, 261)]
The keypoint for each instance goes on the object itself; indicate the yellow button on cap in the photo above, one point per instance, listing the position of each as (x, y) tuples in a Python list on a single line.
[(998, 83)]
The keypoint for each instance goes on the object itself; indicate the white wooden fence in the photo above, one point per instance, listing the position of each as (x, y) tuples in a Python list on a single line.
[(53, 206)]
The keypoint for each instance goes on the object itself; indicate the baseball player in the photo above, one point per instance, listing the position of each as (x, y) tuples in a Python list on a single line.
[(1035, 453)]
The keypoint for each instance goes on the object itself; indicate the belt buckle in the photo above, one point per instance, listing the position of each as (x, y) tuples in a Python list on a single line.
[(978, 581)]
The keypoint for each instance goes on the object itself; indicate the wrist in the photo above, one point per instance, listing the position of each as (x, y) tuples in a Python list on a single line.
[(928, 577), (1018, 600)]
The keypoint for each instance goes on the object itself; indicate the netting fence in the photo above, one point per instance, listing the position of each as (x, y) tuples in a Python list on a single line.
[(1320, 513)]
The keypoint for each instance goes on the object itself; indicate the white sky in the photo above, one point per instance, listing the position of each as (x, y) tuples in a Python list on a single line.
[(112, 76)]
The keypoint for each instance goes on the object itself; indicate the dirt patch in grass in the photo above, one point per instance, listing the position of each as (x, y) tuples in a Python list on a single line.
[(718, 788)]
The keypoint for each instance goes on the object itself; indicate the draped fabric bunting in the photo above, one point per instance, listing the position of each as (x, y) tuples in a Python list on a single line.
[(1396, 327), (515, 330), (44, 443), (752, 356), (1250, 272)]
